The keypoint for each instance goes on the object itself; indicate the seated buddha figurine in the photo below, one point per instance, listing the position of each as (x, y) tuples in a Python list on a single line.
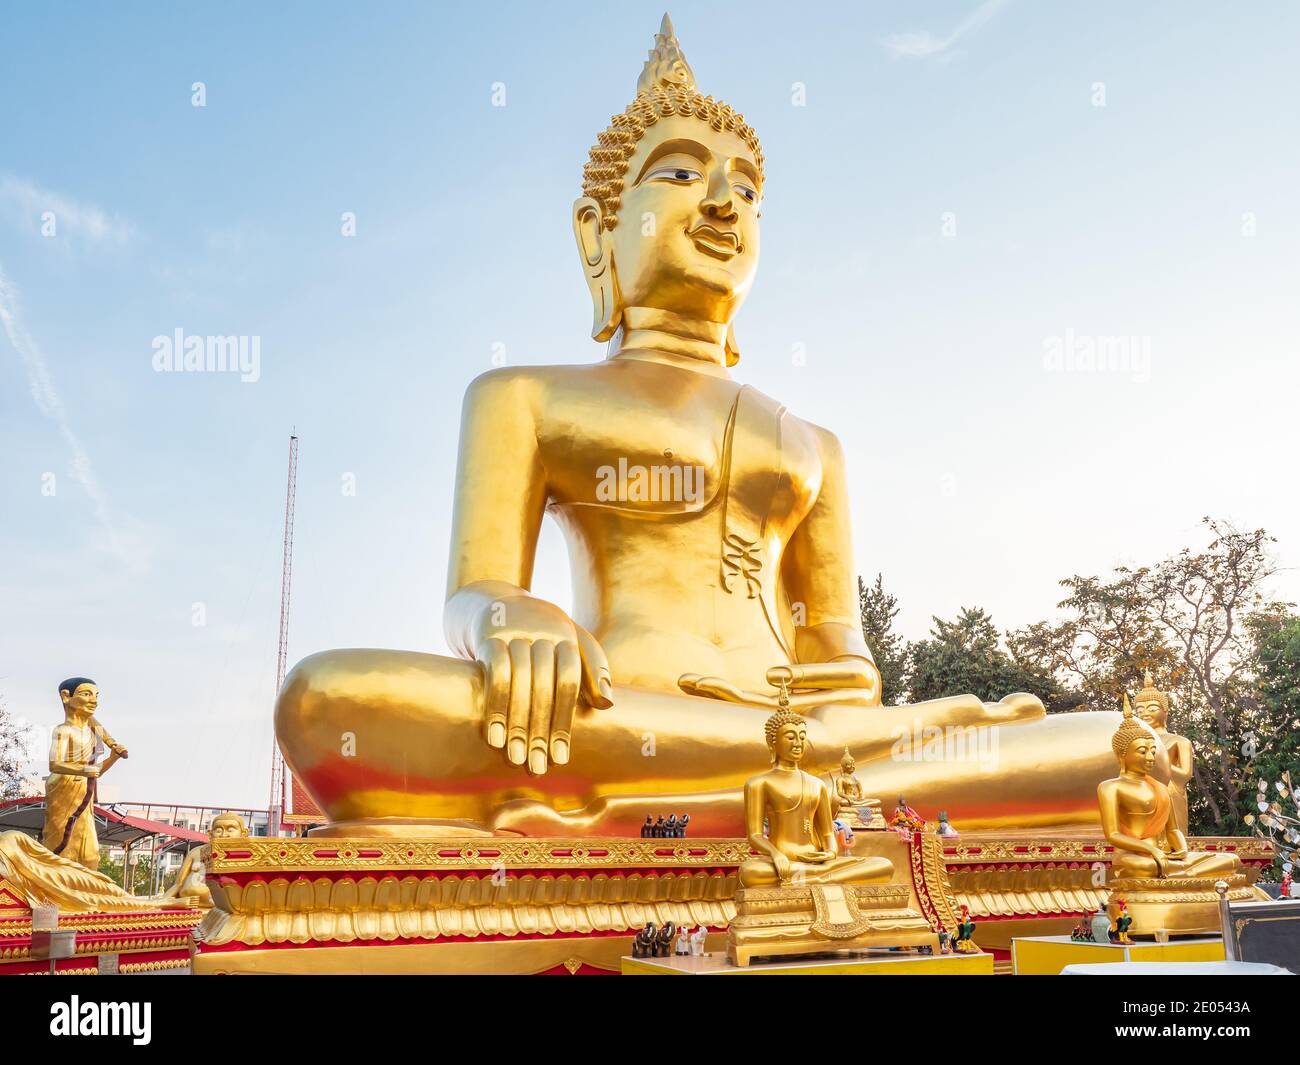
[(1165, 884), (796, 808), (1152, 706), (710, 549), (852, 806), (191, 885)]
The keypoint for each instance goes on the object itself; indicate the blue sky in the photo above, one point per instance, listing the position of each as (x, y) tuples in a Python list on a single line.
[(949, 205)]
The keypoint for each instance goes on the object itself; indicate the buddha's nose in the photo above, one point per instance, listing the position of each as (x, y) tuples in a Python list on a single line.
[(718, 201)]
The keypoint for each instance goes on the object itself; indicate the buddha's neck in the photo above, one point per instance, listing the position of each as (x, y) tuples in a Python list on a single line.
[(693, 343)]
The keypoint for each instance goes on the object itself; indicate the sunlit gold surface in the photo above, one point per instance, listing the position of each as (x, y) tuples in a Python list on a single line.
[(708, 532), (1166, 885)]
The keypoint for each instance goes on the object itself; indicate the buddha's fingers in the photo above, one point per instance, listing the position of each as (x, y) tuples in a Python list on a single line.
[(541, 705), (496, 693), (568, 677), (521, 693), (597, 686)]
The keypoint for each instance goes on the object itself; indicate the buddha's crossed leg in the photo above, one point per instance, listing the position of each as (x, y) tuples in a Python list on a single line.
[(398, 736)]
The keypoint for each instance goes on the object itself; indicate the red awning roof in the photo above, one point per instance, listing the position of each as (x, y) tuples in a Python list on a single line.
[(111, 826)]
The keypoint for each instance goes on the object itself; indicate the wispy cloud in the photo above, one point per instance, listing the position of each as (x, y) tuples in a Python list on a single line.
[(921, 44), (31, 207), (49, 404)]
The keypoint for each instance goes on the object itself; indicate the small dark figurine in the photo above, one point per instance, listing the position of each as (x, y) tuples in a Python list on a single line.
[(670, 827), (648, 829), (643, 943), (664, 940), (1082, 932), (681, 825), (658, 831)]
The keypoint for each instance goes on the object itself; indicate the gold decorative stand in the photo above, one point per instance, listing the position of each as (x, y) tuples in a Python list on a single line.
[(489, 904)]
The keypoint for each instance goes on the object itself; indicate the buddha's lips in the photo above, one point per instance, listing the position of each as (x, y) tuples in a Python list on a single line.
[(714, 241)]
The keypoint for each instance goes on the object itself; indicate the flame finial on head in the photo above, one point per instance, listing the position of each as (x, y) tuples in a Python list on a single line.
[(667, 65)]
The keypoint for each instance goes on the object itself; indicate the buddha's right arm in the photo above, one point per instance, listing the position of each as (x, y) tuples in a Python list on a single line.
[(536, 660)]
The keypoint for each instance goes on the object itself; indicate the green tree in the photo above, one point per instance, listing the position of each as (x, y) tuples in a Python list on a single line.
[(878, 609), (965, 656), (1186, 618)]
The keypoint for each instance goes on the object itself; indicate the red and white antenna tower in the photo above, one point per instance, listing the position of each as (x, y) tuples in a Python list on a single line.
[(279, 777)]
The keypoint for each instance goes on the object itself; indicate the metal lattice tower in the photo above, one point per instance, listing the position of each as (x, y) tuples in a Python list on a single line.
[(279, 776)]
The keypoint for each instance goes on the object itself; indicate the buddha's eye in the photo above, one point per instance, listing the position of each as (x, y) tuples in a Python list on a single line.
[(749, 194), (676, 173)]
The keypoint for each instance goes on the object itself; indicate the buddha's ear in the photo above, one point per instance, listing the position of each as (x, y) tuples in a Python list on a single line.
[(598, 266), (733, 349)]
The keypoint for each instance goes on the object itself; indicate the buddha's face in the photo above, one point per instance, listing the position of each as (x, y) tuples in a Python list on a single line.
[(686, 239), (1141, 755), (791, 741), (1152, 713), (226, 828), (85, 700)]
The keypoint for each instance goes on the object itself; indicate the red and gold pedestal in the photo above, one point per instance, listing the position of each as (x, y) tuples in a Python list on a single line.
[(145, 941), (509, 905), (520, 905)]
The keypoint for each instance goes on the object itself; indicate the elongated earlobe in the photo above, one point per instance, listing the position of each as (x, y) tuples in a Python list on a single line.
[(733, 350), (598, 266)]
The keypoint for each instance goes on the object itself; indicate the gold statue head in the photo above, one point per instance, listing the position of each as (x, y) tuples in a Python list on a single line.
[(668, 218), (80, 695), (227, 826), (1152, 705), (847, 764), (787, 735), (1134, 743)]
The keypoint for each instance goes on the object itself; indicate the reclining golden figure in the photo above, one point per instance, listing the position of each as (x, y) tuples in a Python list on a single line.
[(708, 532)]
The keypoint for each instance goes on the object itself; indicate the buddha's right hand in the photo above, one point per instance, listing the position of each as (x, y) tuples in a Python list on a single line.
[(537, 665)]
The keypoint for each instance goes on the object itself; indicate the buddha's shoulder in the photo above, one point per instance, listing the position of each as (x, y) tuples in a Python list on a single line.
[(536, 380)]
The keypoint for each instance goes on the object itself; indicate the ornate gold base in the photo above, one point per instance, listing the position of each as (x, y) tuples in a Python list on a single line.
[(815, 919), (508, 904), (1182, 907)]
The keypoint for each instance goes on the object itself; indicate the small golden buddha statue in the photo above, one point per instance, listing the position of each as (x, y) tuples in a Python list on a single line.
[(799, 895), (797, 809), (70, 789), (191, 886), (1166, 886), (1152, 706), (711, 553), (852, 806)]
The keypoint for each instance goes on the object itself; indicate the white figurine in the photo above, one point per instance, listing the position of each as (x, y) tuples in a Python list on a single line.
[(683, 941), (697, 941)]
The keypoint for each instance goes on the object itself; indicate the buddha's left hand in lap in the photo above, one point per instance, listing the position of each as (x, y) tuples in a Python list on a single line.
[(852, 680)]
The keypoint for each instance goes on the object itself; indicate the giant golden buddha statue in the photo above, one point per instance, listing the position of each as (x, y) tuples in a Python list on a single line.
[(708, 532)]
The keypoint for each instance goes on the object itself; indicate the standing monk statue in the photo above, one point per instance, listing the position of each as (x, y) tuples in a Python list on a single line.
[(710, 548), (70, 788)]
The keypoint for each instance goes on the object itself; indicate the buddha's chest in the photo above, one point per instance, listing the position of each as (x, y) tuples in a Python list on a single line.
[(664, 449)]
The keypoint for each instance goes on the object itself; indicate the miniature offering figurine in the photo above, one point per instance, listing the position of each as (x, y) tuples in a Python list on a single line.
[(966, 933), (71, 786), (698, 938), (1082, 932), (1152, 706), (906, 820), (683, 947), (800, 895), (729, 510), (643, 943), (945, 829), (1166, 885), (191, 885), (664, 940), (648, 829), (1120, 925)]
